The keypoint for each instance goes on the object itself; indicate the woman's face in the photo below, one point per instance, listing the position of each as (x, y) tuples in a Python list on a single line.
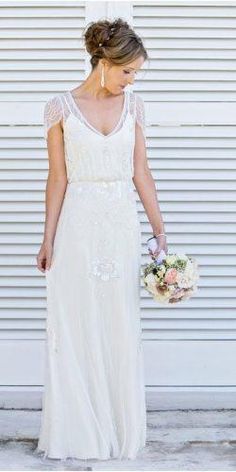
[(118, 77)]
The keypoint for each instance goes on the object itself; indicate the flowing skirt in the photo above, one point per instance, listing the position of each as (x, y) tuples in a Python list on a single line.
[(94, 394)]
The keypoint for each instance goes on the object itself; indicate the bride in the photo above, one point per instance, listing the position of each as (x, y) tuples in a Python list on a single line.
[(94, 397)]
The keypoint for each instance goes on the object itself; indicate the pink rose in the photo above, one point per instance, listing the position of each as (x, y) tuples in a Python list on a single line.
[(171, 276)]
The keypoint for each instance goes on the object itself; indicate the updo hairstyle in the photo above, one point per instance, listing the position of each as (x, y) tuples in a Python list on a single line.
[(114, 40)]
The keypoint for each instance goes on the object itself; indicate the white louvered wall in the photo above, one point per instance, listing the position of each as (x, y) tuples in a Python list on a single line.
[(41, 54), (189, 91), (189, 87)]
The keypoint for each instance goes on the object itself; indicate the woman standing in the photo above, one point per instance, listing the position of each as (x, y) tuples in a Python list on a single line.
[(94, 397)]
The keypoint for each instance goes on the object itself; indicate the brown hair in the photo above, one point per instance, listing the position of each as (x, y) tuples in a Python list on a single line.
[(114, 40)]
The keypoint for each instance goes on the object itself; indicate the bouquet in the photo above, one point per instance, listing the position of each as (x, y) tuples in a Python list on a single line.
[(171, 277)]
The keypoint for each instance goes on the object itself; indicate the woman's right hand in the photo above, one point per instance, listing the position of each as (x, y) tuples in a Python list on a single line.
[(44, 257)]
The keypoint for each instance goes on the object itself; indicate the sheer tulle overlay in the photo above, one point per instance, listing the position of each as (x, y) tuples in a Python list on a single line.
[(94, 393)]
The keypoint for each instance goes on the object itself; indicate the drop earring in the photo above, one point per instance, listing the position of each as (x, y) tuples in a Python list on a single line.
[(102, 77)]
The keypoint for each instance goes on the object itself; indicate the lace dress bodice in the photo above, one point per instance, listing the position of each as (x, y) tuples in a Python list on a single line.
[(89, 154)]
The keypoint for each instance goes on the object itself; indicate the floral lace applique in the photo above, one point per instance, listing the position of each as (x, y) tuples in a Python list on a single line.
[(105, 268)]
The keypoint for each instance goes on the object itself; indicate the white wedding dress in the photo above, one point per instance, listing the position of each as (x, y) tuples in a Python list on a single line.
[(94, 394)]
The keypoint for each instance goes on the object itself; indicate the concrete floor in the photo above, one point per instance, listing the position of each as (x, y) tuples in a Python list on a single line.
[(176, 440)]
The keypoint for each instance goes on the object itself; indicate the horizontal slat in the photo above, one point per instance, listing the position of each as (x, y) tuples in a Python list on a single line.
[(204, 302), (16, 22), (22, 324), (175, 96), (165, 64), (153, 43), (37, 65), (29, 281), (153, 129), (208, 55), (206, 259), (204, 174), (168, 85), (195, 250), (41, 11), (181, 312), (149, 326), (43, 76), (176, 218), (186, 324), (211, 299), (183, 207), (194, 303), (50, 54), (170, 228), (203, 293), (175, 32), (43, 43), (164, 114), (174, 238), (171, 65), (9, 328), (189, 22), (42, 33), (188, 335), (163, 196), (157, 86), (198, 10), (162, 187), (215, 274)]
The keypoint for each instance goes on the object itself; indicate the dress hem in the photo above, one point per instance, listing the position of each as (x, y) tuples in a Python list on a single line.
[(107, 457)]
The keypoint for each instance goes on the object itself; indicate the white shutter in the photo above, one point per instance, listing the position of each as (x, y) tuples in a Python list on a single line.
[(41, 54), (189, 91)]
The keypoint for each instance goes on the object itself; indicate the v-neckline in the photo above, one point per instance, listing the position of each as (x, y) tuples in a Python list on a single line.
[(90, 125)]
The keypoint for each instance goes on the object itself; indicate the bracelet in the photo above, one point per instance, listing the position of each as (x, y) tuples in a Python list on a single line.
[(160, 234)]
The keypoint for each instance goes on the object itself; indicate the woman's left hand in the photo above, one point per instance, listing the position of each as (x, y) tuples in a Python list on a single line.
[(162, 245)]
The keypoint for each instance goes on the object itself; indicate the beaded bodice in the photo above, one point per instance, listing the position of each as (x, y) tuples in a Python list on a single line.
[(89, 154)]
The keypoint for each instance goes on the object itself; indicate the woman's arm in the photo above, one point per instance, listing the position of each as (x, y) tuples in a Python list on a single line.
[(56, 181), (145, 186), (55, 190)]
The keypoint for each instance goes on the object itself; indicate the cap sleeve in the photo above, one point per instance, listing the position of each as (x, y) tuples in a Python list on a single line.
[(52, 113), (140, 115)]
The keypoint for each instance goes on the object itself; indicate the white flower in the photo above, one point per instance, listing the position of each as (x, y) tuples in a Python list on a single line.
[(191, 271), (183, 280), (189, 277), (183, 257), (161, 268), (150, 279), (162, 297), (151, 282), (171, 259)]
